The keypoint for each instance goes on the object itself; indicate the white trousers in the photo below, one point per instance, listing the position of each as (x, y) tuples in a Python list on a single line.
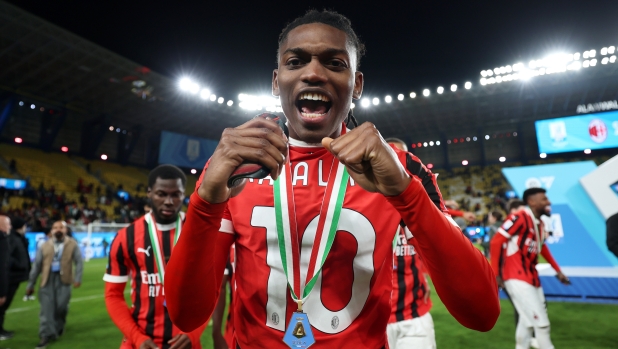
[(529, 301), (417, 333)]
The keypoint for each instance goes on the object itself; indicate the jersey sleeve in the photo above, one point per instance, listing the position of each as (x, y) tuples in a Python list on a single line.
[(117, 269), (512, 226)]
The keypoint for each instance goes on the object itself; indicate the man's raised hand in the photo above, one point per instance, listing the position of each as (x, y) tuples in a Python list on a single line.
[(259, 141), (371, 162)]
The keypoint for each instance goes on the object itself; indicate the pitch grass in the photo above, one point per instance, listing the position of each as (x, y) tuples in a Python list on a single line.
[(574, 325)]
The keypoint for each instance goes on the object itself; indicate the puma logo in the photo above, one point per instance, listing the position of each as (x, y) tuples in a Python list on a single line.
[(146, 251)]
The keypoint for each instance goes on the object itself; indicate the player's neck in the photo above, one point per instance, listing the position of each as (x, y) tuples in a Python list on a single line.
[(535, 213)]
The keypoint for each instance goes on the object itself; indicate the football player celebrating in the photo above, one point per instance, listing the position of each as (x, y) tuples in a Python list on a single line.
[(314, 250), (514, 256), (141, 251)]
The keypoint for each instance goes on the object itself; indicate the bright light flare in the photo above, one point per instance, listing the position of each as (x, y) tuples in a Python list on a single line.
[(502, 159), (440, 90), (193, 171), (64, 149), (268, 103), (542, 155), (412, 94), (103, 157), (453, 87), (189, 85), (388, 99), (230, 103), (400, 97), (468, 85), (426, 92), (18, 140), (587, 151), (365, 103), (205, 94), (375, 101), (464, 162)]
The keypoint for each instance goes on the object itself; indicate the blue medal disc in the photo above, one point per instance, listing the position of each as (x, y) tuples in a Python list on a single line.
[(298, 334)]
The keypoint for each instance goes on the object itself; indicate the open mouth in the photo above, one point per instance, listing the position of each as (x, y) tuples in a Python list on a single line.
[(313, 105)]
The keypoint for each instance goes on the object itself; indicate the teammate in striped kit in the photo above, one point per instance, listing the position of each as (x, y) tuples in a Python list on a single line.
[(514, 256), (140, 252), (410, 324)]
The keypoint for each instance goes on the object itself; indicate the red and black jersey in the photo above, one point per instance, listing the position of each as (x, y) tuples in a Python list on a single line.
[(518, 259), (409, 283), (131, 257), (229, 323)]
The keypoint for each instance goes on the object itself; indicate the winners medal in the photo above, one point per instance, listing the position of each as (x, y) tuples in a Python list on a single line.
[(298, 333)]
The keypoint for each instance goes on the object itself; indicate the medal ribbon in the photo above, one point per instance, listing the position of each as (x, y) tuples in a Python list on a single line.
[(287, 230), (156, 247)]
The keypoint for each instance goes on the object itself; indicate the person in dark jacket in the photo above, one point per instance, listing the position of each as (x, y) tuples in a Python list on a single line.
[(612, 234), (5, 228), (19, 267)]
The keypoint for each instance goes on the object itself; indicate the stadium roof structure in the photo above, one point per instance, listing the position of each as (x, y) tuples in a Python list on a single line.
[(48, 64)]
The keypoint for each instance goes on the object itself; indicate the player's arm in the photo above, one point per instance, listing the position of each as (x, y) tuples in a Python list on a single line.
[(450, 258), (193, 275), (79, 267), (218, 316), (550, 259), (116, 277), (513, 225)]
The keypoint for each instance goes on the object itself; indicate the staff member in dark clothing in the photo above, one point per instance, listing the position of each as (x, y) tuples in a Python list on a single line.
[(5, 227), (612, 234), (19, 268)]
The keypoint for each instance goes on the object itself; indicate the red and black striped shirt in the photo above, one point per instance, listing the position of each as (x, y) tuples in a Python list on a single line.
[(131, 257), (409, 283)]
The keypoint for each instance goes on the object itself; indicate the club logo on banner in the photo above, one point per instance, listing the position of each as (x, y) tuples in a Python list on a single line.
[(597, 130)]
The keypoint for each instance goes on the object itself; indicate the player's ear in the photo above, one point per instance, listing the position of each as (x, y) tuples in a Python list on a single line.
[(359, 82), (275, 83)]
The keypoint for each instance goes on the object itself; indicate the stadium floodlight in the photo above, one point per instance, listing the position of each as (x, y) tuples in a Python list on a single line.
[(487, 137), (474, 138), (605, 60), (412, 94), (453, 87), (425, 144), (426, 92), (111, 128), (18, 140), (464, 162), (586, 64), (21, 103), (220, 100), (400, 97), (189, 85), (437, 142), (592, 53), (64, 149), (611, 50), (32, 106), (542, 155), (586, 54), (431, 144), (204, 94), (593, 62), (365, 103), (230, 103), (213, 97), (483, 81), (440, 90), (430, 166), (193, 171), (467, 139), (103, 157), (388, 99), (468, 85), (576, 56), (587, 151), (502, 159), (375, 101), (268, 103), (612, 59), (352, 106), (604, 51)]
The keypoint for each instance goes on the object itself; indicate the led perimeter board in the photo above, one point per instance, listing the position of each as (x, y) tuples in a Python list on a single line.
[(576, 133)]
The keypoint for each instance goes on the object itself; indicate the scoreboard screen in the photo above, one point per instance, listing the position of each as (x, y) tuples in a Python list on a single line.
[(577, 133)]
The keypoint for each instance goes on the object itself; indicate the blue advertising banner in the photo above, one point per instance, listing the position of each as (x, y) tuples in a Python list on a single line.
[(14, 184), (576, 133), (578, 227), (96, 247), (185, 151)]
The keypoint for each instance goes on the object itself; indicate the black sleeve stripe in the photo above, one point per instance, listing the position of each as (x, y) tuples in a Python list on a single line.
[(416, 169), (122, 267)]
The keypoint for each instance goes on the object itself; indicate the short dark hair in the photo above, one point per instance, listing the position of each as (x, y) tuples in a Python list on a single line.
[(515, 204), (532, 191), (166, 172), (497, 215), (332, 18), (17, 223)]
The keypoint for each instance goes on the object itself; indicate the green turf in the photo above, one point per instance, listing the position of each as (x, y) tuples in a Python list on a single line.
[(574, 325)]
